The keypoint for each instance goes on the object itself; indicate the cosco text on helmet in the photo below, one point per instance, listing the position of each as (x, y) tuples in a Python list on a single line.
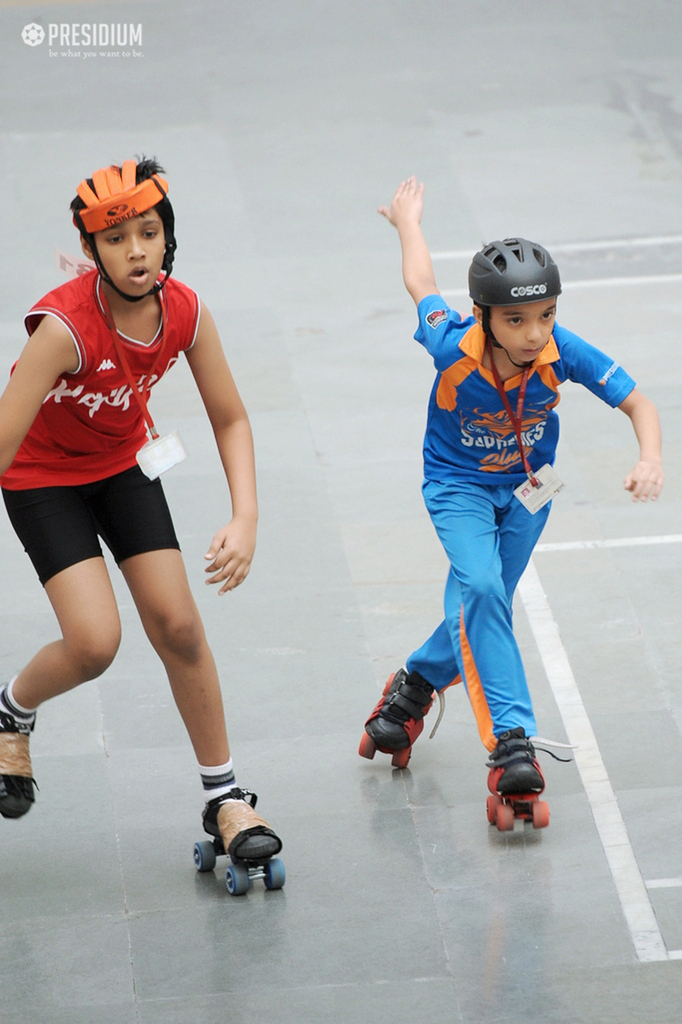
[(531, 289)]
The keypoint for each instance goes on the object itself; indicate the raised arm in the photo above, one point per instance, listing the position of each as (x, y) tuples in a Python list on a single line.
[(646, 479), (48, 353), (231, 550), (405, 213)]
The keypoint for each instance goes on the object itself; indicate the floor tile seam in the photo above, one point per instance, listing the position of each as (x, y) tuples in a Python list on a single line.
[(119, 855), (59, 920), (471, 891), (449, 969), (134, 916), (332, 986)]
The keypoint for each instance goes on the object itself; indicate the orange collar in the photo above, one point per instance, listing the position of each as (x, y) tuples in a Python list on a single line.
[(473, 344)]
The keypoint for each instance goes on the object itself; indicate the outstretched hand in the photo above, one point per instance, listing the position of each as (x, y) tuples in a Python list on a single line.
[(407, 203), (645, 481), (231, 554)]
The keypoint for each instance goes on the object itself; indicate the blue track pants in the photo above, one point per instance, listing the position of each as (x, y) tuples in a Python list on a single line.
[(489, 537)]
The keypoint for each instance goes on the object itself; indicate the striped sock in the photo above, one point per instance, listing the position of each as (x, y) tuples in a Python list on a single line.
[(217, 780), (24, 717)]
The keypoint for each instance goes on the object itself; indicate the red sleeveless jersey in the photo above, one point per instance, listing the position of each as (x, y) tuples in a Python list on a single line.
[(90, 425)]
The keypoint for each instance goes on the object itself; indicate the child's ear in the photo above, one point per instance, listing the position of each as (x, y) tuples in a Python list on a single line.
[(478, 314), (86, 249)]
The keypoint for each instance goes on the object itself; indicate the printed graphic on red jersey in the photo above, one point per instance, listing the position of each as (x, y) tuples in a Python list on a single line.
[(119, 397)]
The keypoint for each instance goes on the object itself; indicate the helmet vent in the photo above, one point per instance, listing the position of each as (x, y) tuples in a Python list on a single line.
[(540, 256), (515, 248)]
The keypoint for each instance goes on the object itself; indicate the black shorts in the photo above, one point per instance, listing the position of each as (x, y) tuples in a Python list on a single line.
[(60, 526)]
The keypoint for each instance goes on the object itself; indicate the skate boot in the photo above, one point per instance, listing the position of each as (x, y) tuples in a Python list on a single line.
[(515, 781), (398, 718), (16, 775), (245, 837)]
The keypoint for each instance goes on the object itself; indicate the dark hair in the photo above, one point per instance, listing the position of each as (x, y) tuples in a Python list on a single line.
[(146, 168)]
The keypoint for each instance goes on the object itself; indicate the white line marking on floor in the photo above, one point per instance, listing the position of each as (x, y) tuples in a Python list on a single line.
[(611, 542), (590, 282), (632, 891), (598, 282), (664, 883), (620, 243)]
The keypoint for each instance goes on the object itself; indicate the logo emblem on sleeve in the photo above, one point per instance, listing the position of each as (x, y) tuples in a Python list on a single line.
[(437, 317)]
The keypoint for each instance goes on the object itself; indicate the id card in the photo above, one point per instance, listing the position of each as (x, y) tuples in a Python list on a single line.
[(534, 498), (156, 456)]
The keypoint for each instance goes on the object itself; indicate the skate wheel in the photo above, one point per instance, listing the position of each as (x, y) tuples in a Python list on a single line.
[(491, 805), (504, 818), (540, 814), (367, 747), (401, 758), (204, 856), (237, 880), (274, 873)]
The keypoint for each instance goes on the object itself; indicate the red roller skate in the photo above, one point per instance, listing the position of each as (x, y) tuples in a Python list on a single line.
[(398, 718), (515, 781)]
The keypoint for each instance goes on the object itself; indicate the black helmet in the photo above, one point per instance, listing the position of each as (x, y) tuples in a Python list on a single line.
[(513, 270)]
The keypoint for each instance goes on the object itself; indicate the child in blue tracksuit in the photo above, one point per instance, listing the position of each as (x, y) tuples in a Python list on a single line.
[(490, 443)]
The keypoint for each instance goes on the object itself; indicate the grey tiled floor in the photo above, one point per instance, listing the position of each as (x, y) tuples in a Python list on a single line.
[(282, 126)]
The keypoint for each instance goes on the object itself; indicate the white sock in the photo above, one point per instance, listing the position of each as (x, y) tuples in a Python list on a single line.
[(8, 700), (217, 780)]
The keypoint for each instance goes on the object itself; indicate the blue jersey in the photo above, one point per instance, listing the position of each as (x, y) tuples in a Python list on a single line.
[(469, 435)]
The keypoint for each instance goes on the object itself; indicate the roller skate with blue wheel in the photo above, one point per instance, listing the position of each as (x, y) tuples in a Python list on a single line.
[(245, 837), (398, 718), (515, 781)]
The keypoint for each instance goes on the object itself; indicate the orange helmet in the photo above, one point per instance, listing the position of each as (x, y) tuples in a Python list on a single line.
[(116, 196), (112, 196)]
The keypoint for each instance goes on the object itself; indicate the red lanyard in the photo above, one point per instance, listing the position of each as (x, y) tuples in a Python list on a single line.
[(516, 421), (138, 392)]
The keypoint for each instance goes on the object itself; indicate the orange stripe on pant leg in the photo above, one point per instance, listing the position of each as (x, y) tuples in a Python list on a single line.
[(475, 689)]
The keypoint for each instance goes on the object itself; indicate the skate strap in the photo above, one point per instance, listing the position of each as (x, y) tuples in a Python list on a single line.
[(441, 712), (517, 748), (542, 744), (409, 698), (244, 848), (441, 703)]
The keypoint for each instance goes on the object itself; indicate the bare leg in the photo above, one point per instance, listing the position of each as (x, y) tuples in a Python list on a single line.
[(159, 586), (85, 606)]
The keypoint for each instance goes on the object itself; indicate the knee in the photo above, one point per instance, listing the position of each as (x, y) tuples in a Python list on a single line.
[(94, 653), (485, 584), (181, 636)]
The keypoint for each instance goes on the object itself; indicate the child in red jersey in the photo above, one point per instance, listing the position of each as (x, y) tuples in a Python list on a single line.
[(76, 465)]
